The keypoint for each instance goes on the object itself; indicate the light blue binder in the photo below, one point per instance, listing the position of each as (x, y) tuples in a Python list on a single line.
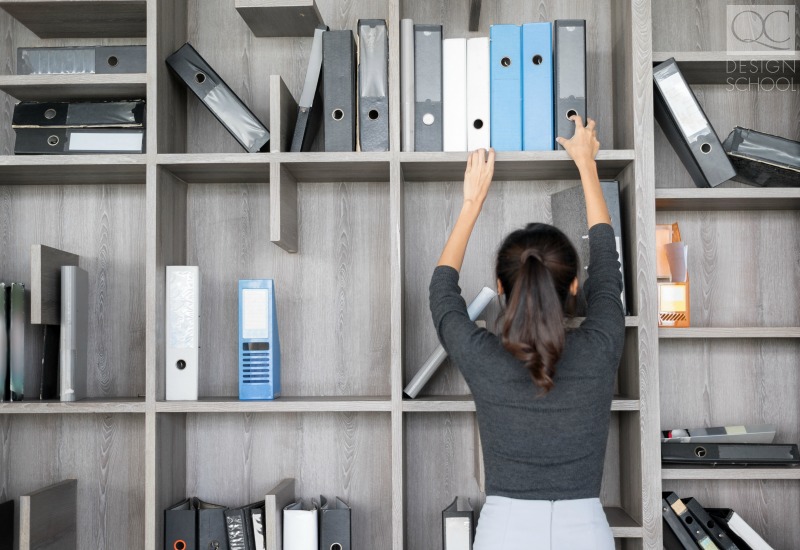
[(259, 345), (537, 87), (506, 87)]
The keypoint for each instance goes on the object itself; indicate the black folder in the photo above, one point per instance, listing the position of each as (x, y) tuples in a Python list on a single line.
[(763, 159), (428, 128), (309, 108), (373, 85), (81, 114), (334, 524), (239, 523), (339, 96), (82, 59), (687, 128), (7, 524), (694, 528), (180, 526), (217, 96), (676, 537), (212, 533), (717, 533), (50, 349), (569, 74), (458, 527), (730, 454), (78, 141)]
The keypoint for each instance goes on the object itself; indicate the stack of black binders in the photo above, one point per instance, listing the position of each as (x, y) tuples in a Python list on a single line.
[(193, 524)]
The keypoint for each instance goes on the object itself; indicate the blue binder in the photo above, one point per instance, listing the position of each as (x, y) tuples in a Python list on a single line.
[(506, 87), (537, 87), (259, 345)]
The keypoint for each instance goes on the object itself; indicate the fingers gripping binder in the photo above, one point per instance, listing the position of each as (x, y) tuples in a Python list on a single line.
[(569, 66)]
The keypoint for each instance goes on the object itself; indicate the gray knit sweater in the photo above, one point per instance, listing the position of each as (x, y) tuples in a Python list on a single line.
[(547, 447)]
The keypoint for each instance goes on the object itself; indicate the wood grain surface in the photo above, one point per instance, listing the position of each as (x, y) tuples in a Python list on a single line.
[(83, 19)]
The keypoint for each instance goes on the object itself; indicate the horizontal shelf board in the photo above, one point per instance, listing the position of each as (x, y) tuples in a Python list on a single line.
[(72, 169), (718, 67), (465, 403), (83, 19), (267, 18), (218, 168), (674, 472), (511, 165), (730, 332), (747, 198), (336, 167), (622, 524), (282, 404), (57, 87), (86, 406), (630, 321)]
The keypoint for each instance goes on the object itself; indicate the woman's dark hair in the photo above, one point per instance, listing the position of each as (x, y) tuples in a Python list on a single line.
[(536, 266)]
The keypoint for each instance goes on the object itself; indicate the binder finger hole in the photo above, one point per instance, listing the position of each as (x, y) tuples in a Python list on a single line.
[(181, 364), (179, 545), (336, 546), (477, 124), (200, 78), (373, 114), (571, 113), (427, 119), (700, 452), (537, 59), (337, 114), (706, 148), (50, 114), (505, 62), (113, 61), (52, 140)]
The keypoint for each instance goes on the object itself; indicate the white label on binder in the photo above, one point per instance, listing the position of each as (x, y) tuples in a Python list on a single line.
[(255, 313), (105, 141), (457, 533), (689, 116)]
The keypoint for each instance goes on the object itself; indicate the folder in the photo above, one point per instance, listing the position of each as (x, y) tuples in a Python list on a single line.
[(569, 215), (212, 532), (275, 501), (180, 526), (5, 302), (309, 108), (569, 75), (762, 433), (78, 141), (407, 83), (334, 524), (730, 454), (436, 358), (215, 94), (676, 537), (83, 114), (373, 85), (458, 526), (51, 340), (300, 526), (82, 59), (506, 87), (478, 89), (182, 333), (763, 159), (715, 532), (454, 94), (259, 341), (537, 87), (428, 87), (74, 333), (7, 525), (738, 529), (16, 340), (687, 129), (339, 90), (694, 529), (239, 522)]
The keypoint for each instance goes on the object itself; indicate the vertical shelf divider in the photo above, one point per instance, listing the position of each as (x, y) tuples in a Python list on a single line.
[(283, 217)]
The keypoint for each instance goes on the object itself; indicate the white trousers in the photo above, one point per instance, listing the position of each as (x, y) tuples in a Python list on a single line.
[(514, 524)]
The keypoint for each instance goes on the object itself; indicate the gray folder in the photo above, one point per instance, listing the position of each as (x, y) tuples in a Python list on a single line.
[(407, 83), (428, 88), (74, 332), (339, 95), (82, 59), (309, 109), (334, 524), (373, 85), (16, 341), (569, 67)]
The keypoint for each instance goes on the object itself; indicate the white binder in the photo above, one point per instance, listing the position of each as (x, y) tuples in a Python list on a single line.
[(478, 107), (300, 527), (183, 332), (454, 117), (74, 333)]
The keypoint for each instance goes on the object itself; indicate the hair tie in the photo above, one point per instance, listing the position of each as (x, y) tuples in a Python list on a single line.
[(530, 253)]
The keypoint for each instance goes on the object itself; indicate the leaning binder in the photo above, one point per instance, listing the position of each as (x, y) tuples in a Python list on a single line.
[(82, 60), (339, 90), (74, 333), (506, 87), (763, 159), (79, 114), (458, 527), (702, 517), (180, 526), (478, 106), (730, 454), (454, 94), (694, 529), (738, 529), (334, 524), (16, 340), (309, 108), (676, 537), (687, 128), (215, 94), (78, 141), (537, 87), (373, 85), (407, 83), (239, 523), (428, 88), (569, 75)]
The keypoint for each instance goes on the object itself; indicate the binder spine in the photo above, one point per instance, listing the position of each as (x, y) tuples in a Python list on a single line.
[(537, 87), (183, 332), (478, 89), (78, 141), (94, 114), (569, 75), (74, 333), (16, 341), (407, 83), (506, 87), (309, 110), (373, 83), (82, 60), (454, 98), (428, 88), (339, 92)]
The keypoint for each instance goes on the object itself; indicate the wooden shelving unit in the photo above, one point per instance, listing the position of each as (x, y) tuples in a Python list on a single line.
[(45, 87), (80, 19)]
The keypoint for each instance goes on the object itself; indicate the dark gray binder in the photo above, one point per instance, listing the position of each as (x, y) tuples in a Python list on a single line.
[(5, 300), (458, 526), (212, 534), (569, 72), (373, 85), (309, 109), (676, 537), (701, 517), (217, 96), (83, 114), (82, 59), (180, 526), (334, 524), (16, 341), (428, 129), (569, 215), (339, 95), (78, 141), (763, 159), (731, 454), (688, 130)]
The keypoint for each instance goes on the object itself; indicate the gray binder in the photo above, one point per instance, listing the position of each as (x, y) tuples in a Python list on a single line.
[(16, 341), (569, 71), (407, 83), (687, 128), (74, 332), (373, 85), (334, 524), (4, 303), (458, 526), (309, 109), (428, 88), (569, 215), (78, 141), (82, 59), (83, 114), (339, 96)]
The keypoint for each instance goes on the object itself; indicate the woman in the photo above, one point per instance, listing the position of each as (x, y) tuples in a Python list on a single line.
[(542, 393)]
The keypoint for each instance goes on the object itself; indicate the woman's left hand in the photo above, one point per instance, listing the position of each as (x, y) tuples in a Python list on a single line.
[(478, 177)]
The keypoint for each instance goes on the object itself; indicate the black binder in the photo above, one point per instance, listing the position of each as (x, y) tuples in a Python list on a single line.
[(82, 59), (730, 454), (373, 85), (212, 533), (7, 524), (688, 130), (334, 524), (717, 533), (78, 141), (50, 349), (694, 528), (428, 128), (309, 108), (763, 159), (339, 96), (239, 524), (82, 114), (180, 526), (217, 96), (569, 74), (676, 537), (458, 527)]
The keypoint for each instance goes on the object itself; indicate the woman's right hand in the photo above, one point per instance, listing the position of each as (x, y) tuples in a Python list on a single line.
[(583, 146)]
